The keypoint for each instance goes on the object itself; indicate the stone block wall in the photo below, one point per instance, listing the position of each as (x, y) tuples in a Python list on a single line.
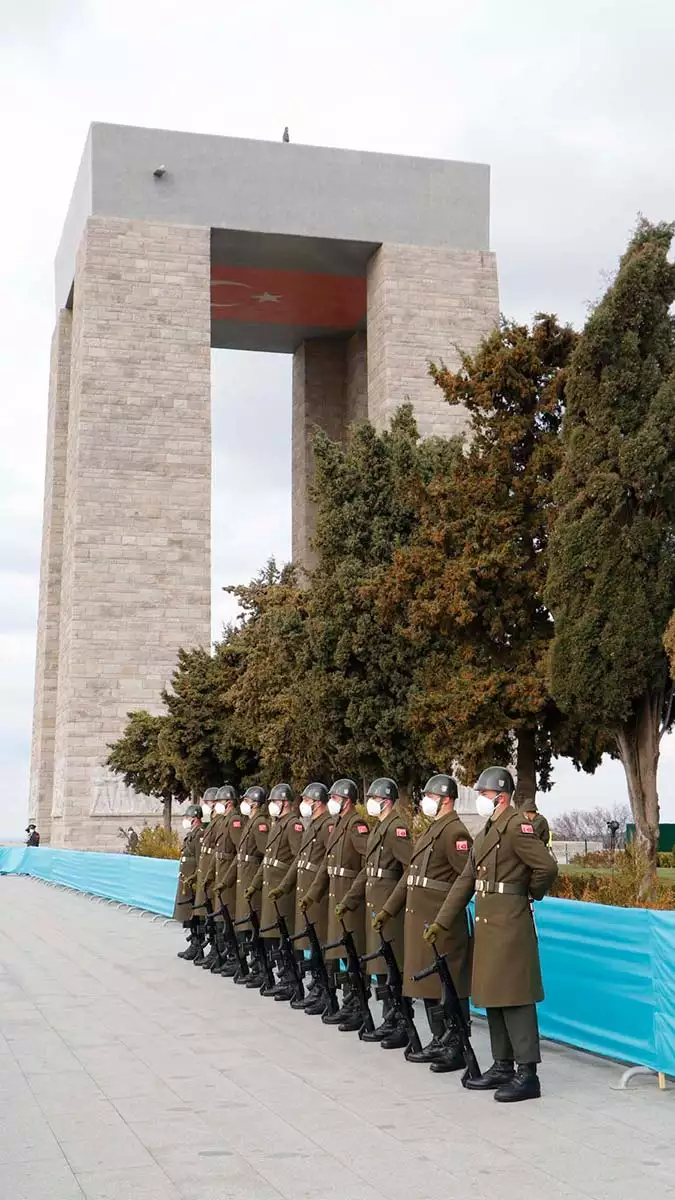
[(47, 649), (136, 545), (424, 304)]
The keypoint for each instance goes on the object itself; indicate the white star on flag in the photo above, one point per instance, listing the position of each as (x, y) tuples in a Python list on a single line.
[(266, 298)]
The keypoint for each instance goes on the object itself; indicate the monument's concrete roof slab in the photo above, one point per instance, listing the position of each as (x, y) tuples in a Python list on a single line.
[(275, 205)]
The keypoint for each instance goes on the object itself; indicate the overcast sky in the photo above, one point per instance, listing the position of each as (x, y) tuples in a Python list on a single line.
[(573, 107)]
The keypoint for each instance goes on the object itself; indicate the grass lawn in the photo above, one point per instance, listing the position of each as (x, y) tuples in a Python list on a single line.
[(667, 873)]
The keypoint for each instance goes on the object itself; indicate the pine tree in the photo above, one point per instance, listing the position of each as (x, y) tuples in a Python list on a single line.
[(202, 736), (359, 671), (468, 588), (140, 757), (611, 574)]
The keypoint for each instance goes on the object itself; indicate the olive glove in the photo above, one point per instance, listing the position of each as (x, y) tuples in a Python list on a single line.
[(275, 894), (250, 891), (305, 903), (379, 920), (433, 932)]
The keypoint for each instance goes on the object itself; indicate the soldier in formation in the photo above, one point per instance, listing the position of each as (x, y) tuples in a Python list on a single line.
[(184, 908), (508, 867), (322, 872)]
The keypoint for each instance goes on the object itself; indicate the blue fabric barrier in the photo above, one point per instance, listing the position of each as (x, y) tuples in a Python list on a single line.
[(609, 973), (148, 883)]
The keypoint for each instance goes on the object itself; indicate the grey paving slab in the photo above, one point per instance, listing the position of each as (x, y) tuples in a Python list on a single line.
[(127, 1073)]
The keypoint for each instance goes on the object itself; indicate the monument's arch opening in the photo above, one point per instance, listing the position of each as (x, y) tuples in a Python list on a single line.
[(362, 267)]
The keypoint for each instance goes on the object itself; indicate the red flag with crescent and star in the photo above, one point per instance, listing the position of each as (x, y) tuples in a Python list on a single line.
[(255, 294)]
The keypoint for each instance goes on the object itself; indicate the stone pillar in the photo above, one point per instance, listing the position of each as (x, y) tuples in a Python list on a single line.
[(136, 544), (424, 304), (47, 651), (319, 401), (356, 397)]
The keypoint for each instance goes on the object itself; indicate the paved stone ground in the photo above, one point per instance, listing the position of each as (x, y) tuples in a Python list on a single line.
[(127, 1074)]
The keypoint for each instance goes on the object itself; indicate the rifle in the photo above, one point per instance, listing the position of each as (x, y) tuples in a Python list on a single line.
[(232, 939), (257, 944), (355, 971), (210, 920), (392, 991), (318, 964), (287, 955), (452, 1011)]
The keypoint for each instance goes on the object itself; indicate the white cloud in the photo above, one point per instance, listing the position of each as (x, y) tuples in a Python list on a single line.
[(573, 110)]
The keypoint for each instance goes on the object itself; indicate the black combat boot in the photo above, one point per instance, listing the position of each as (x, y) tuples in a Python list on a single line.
[(501, 1072), (256, 979), (348, 1006), (524, 1085), (353, 1021), (213, 957), (451, 1056), (434, 1048), (187, 925), (385, 1029), (222, 954), (397, 1039), (312, 994), (199, 957)]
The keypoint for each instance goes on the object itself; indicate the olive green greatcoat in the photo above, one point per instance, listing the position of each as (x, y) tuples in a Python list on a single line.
[(302, 873), (345, 848), (542, 828), (439, 856), (206, 868), (226, 845), (244, 869), (187, 874), (282, 847), (541, 825), (506, 969), (386, 861)]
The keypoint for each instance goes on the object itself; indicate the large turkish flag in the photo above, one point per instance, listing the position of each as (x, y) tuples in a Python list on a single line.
[(254, 295)]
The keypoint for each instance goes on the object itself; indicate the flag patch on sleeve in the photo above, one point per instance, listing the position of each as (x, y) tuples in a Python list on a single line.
[(262, 829), (462, 845), (526, 829), (401, 832), (362, 829), (236, 824), (299, 827)]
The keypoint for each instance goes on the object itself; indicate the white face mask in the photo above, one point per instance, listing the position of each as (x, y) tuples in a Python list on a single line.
[(430, 805), (373, 806), (245, 807), (305, 808), (334, 807), (219, 808), (274, 808), (485, 806), (206, 813), (187, 823)]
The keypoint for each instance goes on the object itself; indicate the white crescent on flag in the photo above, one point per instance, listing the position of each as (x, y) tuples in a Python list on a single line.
[(229, 283)]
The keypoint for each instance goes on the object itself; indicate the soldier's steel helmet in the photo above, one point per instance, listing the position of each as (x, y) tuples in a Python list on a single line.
[(227, 792), (496, 779), (194, 810), (441, 785), (345, 788), (281, 792), (383, 789), (256, 794), (209, 795), (316, 791)]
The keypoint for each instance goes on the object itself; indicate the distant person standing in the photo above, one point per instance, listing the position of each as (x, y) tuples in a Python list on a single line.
[(33, 838)]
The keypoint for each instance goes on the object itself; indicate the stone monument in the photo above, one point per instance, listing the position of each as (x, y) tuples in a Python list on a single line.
[(362, 266)]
